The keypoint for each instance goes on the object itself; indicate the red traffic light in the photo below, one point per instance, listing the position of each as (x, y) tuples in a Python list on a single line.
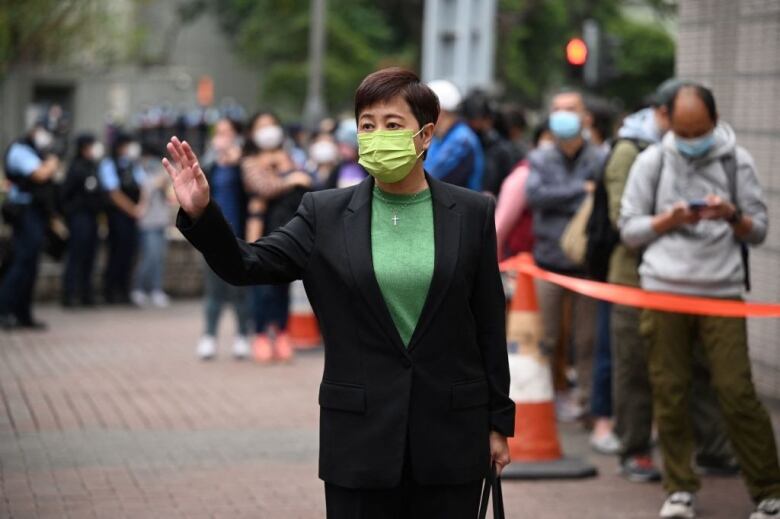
[(576, 52)]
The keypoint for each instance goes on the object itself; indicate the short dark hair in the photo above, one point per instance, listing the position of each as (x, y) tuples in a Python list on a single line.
[(235, 125), (84, 140), (120, 139), (540, 129), (478, 105), (702, 92), (385, 84), (602, 114), (513, 116), (568, 89)]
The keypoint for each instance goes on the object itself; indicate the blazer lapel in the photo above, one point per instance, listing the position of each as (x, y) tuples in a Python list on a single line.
[(446, 234), (357, 227)]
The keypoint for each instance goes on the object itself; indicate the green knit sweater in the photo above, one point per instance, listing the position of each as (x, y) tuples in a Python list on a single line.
[(402, 246)]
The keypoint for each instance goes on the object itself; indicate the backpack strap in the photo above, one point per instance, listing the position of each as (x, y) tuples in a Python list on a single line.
[(730, 166), (657, 179)]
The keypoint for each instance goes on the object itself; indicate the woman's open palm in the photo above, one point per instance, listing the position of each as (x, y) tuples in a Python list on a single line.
[(189, 181)]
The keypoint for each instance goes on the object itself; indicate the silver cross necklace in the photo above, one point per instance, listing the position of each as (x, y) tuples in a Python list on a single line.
[(395, 219)]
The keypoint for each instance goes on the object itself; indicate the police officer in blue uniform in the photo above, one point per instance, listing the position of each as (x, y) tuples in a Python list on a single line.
[(82, 202), (121, 177), (30, 168)]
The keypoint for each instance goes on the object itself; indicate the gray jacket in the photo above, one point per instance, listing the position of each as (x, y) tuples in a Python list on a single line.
[(699, 259), (555, 190)]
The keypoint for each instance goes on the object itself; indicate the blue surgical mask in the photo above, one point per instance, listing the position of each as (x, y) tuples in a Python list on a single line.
[(565, 125), (694, 148)]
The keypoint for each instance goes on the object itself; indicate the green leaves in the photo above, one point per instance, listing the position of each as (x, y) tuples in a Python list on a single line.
[(532, 35), (274, 34)]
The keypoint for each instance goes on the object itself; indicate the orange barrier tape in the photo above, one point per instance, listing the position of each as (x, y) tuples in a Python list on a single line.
[(630, 296)]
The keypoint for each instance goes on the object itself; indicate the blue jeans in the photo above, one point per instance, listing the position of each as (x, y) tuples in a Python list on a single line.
[(220, 292), (16, 287), (82, 248), (601, 397), (271, 306), (151, 267)]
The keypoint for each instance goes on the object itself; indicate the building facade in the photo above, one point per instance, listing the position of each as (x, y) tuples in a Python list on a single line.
[(733, 46), (178, 58)]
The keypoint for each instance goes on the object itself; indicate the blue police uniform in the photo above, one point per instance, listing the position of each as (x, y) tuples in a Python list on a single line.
[(126, 176), (29, 221)]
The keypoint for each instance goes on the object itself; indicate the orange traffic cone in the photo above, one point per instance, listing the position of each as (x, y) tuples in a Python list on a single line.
[(302, 326), (535, 449)]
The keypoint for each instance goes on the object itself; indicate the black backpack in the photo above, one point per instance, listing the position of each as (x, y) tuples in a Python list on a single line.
[(603, 237)]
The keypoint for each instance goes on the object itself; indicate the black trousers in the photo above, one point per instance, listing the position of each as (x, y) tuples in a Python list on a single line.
[(409, 500), (82, 248), (122, 246), (16, 287)]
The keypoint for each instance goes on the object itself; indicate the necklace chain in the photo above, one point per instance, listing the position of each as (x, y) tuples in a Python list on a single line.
[(413, 198)]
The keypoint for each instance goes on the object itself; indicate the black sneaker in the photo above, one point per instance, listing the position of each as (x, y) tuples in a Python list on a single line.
[(31, 325), (640, 469), (8, 322)]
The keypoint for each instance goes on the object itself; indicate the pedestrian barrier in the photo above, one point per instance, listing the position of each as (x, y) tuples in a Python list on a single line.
[(630, 296), (535, 450), (302, 326)]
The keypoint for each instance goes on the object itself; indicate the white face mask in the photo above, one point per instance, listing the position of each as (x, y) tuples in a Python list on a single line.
[(42, 139), (98, 151), (546, 144), (133, 151), (269, 137), (324, 152)]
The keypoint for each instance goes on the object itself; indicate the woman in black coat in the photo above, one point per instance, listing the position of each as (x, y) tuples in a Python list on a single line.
[(402, 274)]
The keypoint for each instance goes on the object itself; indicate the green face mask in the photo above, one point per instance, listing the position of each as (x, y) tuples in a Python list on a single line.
[(388, 155)]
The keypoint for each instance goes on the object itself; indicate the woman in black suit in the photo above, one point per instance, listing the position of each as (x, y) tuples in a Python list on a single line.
[(402, 274)]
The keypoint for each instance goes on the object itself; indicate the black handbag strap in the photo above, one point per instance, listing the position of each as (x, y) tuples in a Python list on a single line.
[(492, 483)]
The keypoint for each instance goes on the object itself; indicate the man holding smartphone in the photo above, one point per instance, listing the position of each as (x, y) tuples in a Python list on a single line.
[(691, 202)]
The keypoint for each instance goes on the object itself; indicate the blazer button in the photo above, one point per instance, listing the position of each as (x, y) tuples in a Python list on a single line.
[(406, 363)]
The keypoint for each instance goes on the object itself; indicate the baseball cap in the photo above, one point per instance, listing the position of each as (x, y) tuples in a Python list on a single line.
[(665, 91), (448, 94)]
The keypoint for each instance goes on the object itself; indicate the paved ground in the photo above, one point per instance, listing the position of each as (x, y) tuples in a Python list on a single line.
[(110, 415)]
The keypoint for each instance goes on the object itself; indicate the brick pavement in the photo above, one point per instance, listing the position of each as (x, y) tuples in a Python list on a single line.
[(110, 415)]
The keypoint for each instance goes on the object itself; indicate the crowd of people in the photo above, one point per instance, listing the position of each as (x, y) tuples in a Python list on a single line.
[(680, 202)]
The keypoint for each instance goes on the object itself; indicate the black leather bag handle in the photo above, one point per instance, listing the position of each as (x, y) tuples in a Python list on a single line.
[(492, 483)]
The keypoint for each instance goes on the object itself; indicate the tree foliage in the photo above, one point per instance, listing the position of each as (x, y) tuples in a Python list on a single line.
[(274, 35), (644, 59), (61, 31), (532, 35), (362, 35)]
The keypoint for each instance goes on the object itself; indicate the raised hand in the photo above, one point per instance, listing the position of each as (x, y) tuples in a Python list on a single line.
[(189, 181)]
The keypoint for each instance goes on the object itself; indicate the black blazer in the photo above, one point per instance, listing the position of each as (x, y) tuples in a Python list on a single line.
[(439, 398)]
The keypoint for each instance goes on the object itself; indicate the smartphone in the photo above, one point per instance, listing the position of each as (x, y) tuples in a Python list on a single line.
[(697, 205)]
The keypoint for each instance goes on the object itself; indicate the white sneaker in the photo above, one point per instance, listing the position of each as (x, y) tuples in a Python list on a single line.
[(160, 299), (207, 347), (678, 505), (767, 509), (567, 407), (138, 298), (605, 444), (241, 349)]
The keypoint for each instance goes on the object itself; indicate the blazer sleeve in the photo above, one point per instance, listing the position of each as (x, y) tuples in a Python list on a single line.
[(488, 305), (280, 257)]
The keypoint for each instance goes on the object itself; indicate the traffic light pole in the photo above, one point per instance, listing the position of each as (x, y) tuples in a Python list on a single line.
[(314, 109), (591, 34)]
